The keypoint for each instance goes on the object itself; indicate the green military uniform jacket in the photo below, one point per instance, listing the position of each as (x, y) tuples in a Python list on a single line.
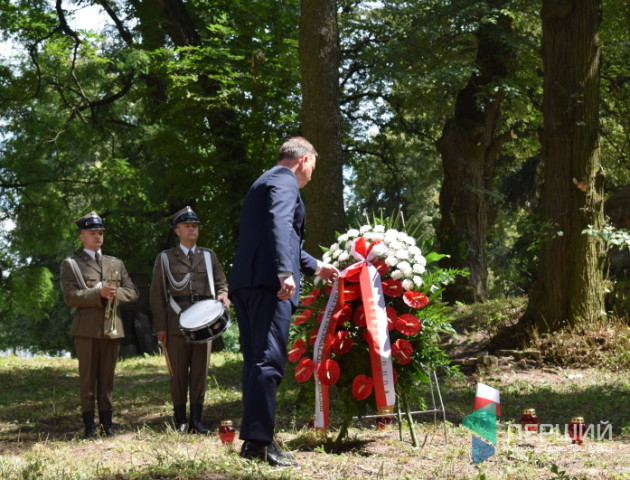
[(89, 320), (164, 318)]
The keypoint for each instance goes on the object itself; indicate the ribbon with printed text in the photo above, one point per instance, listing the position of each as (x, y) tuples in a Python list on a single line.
[(377, 336)]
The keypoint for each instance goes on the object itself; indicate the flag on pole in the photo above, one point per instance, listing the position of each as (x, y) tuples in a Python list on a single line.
[(486, 395)]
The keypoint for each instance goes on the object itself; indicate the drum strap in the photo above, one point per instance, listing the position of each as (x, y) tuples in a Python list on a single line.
[(180, 285), (79, 276)]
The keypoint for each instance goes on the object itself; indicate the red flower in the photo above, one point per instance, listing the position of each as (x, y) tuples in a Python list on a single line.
[(392, 316), (320, 316), (311, 297), (362, 387), (313, 336), (408, 324), (381, 267), (304, 370), (351, 291), (328, 372), (342, 342), (392, 288), (402, 351), (344, 315), (359, 316), (353, 274), (415, 299), (328, 289), (297, 350), (302, 317)]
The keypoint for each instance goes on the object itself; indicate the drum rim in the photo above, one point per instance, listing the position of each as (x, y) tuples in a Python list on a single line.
[(203, 303)]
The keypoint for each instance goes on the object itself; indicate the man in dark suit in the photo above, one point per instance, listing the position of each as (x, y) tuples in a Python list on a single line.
[(93, 283), (264, 287), (186, 283)]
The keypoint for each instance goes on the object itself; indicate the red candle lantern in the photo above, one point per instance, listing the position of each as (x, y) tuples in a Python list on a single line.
[(226, 431), (382, 423), (577, 430), (529, 420)]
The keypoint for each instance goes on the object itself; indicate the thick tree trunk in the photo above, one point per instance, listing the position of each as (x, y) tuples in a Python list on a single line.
[(569, 285), (319, 61), (469, 148)]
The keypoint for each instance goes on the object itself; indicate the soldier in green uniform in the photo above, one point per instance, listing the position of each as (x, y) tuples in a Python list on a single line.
[(185, 283), (95, 285)]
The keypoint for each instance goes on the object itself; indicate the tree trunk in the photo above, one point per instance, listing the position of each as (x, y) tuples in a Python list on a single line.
[(469, 147), (569, 285), (319, 61)]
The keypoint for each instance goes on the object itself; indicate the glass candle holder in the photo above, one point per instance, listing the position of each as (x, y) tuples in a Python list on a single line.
[(529, 420), (226, 431), (576, 430), (383, 423)]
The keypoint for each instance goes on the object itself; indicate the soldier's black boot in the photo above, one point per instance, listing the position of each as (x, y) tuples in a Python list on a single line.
[(105, 416), (88, 421), (195, 425), (180, 418)]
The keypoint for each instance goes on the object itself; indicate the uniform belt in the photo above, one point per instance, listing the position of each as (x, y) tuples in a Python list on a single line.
[(191, 298)]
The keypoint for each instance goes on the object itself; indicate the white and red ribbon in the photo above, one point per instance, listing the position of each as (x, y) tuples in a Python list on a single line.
[(378, 334)]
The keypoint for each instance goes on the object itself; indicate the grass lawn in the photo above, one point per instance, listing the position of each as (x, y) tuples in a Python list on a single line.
[(40, 429)]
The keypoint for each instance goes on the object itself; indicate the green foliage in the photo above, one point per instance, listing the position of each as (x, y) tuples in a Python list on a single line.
[(614, 237)]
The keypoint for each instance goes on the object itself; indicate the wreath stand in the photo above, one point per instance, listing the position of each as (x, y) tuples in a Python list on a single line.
[(434, 386)]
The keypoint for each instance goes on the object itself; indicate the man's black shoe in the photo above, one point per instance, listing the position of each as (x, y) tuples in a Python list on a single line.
[(282, 453), (267, 453)]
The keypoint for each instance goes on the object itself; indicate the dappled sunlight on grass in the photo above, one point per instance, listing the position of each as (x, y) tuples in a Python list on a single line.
[(40, 428)]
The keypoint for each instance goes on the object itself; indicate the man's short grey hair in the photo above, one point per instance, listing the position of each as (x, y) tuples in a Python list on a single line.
[(296, 147)]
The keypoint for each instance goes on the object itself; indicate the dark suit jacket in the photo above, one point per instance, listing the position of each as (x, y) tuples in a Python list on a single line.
[(89, 320), (271, 232), (164, 318)]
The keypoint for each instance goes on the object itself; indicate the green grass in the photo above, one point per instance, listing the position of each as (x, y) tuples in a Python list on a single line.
[(40, 429)]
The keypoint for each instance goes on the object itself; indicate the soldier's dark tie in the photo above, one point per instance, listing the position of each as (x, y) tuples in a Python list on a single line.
[(190, 256), (97, 257)]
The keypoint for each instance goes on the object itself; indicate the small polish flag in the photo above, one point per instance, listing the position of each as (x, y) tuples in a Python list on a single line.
[(486, 395)]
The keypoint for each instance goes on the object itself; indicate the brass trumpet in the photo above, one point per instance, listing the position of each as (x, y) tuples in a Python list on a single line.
[(112, 304)]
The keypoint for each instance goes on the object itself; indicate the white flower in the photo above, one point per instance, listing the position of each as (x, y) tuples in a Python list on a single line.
[(371, 236), (419, 268), (417, 281), (318, 281), (407, 284), (379, 228), (342, 238), (420, 260), (391, 261), (365, 228), (396, 245), (326, 257), (413, 250), (409, 240), (344, 256), (405, 268), (379, 250), (352, 233), (402, 254), (396, 275), (333, 247), (391, 232)]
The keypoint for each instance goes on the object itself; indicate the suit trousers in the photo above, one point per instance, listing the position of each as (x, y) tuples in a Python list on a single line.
[(97, 364), (264, 323), (189, 362)]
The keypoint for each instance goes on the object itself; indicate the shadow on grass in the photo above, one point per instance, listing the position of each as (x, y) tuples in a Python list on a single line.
[(40, 398)]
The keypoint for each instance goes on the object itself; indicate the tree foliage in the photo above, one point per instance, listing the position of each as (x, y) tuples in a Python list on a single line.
[(174, 103)]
